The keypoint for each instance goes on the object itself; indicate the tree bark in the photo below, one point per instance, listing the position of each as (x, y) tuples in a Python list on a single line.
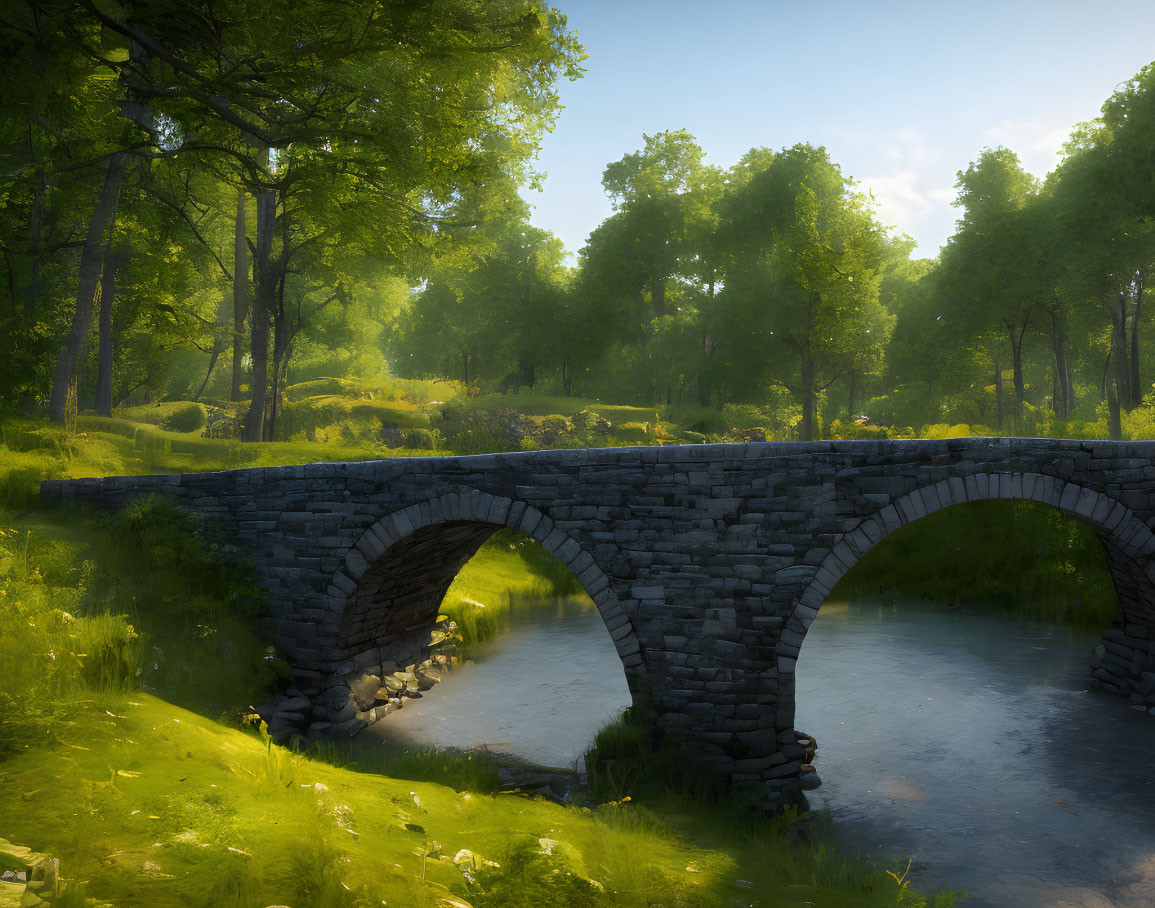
[(809, 402), (240, 296), (35, 227), (1061, 374), (1116, 427), (104, 345), (95, 243), (1136, 387), (998, 395), (280, 345), (1119, 349), (1016, 340), (264, 300)]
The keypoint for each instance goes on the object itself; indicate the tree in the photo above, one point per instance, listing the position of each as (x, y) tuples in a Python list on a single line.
[(373, 121), (800, 303), (649, 265), (987, 264)]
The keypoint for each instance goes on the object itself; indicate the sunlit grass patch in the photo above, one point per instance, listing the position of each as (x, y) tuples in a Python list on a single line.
[(509, 564)]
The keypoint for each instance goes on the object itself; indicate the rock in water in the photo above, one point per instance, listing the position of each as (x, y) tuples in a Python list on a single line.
[(364, 690)]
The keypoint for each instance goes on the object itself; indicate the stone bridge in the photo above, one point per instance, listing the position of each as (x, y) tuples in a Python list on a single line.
[(707, 562)]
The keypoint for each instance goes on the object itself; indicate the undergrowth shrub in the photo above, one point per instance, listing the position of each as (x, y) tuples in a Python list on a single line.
[(194, 609), (418, 439), (1020, 556), (188, 417), (628, 761)]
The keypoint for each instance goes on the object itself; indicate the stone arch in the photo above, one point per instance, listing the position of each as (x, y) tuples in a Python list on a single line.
[(395, 575), (1128, 542)]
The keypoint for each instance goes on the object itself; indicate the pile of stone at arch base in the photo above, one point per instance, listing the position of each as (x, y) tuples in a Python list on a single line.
[(27, 879), (1141, 689), (341, 705)]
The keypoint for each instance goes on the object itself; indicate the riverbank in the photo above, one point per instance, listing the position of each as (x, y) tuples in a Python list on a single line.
[(147, 802)]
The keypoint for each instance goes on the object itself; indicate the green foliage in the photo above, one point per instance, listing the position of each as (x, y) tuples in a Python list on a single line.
[(942, 430), (419, 439), (632, 431), (839, 430), (508, 566), (189, 417), (194, 610), (526, 877), (628, 761), (1026, 558)]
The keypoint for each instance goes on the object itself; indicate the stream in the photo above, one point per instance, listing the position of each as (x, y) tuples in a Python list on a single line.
[(968, 744)]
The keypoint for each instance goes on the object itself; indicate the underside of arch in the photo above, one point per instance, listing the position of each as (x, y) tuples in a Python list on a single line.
[(399, 571)]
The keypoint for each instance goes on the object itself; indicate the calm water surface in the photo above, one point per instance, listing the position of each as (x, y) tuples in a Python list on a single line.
[(969, 744), (541, 690)]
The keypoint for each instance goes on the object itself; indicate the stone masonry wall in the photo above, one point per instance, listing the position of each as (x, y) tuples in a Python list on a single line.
[(707, 562)]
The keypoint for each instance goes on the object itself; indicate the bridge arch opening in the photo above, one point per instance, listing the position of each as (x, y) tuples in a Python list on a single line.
[(1128, 648), (931, 723), (395, 579)]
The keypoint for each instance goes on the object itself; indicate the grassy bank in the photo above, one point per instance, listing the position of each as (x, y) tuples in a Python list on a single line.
[(146, 802), (153, 805), (1023, 558)]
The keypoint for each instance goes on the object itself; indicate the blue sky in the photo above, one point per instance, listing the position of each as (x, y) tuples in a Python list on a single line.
[(902, 94)]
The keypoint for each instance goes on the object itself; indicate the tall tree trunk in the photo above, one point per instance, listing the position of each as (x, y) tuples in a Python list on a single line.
[(465, 367), (1119, 350), (95, 243), (1016, 339), (11, 285), (240, 296), (850, 397), (998, 395), (1116, 427), (1136, 387), (35, 226), (566, 376), (213, 357), (809, 402), (280, 344), (264, 299), (1060, 393), (104, 346), (657, 292)]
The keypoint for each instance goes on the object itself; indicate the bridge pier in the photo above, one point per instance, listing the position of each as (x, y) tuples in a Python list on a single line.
[(707, 563)]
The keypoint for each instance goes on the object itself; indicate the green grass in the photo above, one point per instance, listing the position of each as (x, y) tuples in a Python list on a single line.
[(153, 805), (510, 566)]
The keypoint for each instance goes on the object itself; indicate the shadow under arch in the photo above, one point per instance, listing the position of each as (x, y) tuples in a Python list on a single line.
[(395, 576), (1128, 543)]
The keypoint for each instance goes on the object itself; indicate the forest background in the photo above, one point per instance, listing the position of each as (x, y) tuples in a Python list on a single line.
[(186, 217)]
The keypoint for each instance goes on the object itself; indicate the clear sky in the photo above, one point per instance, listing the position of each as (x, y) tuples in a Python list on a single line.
[(902, 94)]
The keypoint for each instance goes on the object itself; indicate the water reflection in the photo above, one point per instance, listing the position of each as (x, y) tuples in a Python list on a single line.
[(972, 744)]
